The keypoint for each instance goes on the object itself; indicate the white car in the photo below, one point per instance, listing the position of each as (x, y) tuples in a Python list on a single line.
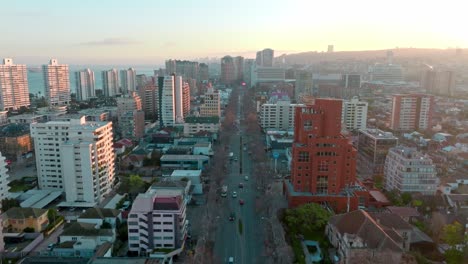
[(246, 177), (234, 194), (231, 260)]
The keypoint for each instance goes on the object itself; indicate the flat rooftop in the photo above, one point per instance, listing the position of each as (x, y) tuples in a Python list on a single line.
[(184, 157), (377, 133)]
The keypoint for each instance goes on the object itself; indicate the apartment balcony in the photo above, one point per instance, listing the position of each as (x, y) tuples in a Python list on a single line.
[(143, 227), (144, 239)]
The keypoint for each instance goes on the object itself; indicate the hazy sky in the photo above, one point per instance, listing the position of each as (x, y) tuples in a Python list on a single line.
[(148, 32)]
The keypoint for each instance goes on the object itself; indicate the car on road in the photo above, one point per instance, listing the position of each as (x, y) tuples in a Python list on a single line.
[(241, 185), (235, 159), (245, 149), (246, 177), (232, 217), (241, 202), (51, 246), (231, 260), (234, 194)]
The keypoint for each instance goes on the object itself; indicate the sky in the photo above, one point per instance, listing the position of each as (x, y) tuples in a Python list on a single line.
[(149, 32)]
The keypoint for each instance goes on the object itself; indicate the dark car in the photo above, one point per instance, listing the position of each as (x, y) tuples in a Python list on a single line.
[(241, 185), (232, 217), (241, 202)]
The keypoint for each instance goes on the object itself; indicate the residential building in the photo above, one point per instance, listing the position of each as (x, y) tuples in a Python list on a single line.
[(14, 92), (194, 125), (4, 188), (85, 85), (56, 83), (265, 57), (412, 112), (407, 170), (16, 219), (373, 146), (278, 114), (158, 221), (194, 176), (169, 163), (131, 118), (267, 75), (304, 84), (386, 73), (354, 114), (323, 166), (173, 100), (97, 216), (76, 157), (375, 237), (186, 69), (203, 72), (439, 82), (228, 70), (211, 105), (86, 235), (249, 65), (128, 81), (149, 99), (351, 84), (15, 141), (26, 118), (3, 118), (239, 67), (330, 48), (110, 83)]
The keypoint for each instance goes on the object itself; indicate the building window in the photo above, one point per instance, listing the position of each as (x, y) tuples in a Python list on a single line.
[(303, 156), (308, 125), (322, 184), (323, 165)]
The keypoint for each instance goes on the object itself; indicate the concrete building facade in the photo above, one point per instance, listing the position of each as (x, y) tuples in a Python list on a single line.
[(75, 157), (407, 170), (354, 114), (14, 91), (278, 115), (56, 83), (412, 112), (85, 85), (128, 81), (110, 83)]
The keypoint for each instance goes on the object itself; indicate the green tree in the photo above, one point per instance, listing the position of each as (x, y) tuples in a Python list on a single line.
[(9, 203), (454, 256), (29, 230), (52, 215), (453, 234), (406, 198), (307, 218), (135, 182)]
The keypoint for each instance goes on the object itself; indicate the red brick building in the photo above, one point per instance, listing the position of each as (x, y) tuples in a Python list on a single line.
[(323, 167)]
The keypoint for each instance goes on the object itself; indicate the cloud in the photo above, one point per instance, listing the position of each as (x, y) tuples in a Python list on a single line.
[(110, 42)]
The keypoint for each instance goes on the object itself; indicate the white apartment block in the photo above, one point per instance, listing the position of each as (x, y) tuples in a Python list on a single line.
[(4, 188), (85, 85), (76, 157), (211, 104), (57, 83), (157, 220), (166, 92), (278, 115), (407, 170), (14, 92), (110, 83), (128, 80), (354, 114)]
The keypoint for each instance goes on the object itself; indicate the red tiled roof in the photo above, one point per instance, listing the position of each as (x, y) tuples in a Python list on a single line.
[(403, 211)]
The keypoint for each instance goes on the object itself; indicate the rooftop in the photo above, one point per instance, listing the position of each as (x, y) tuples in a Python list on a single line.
[(403, 211), (184, 157), (186, 173), (22, 213), (202, 119), (101, 213), (84, 229), (377, 133)]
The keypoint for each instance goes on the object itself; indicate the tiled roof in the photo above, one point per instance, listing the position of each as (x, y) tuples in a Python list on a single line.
[(360, 223), (403, 211), (22, 213), (84, 229), (101, 213)]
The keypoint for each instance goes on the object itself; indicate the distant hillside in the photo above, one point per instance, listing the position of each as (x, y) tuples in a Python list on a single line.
[(401, 53)]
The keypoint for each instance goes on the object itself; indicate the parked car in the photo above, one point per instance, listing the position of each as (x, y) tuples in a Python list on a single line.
[(241, 185), (234, 194), (246, 177), (232, 217), (241, 202)]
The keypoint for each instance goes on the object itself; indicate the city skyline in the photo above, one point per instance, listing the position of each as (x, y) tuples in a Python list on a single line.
[(149, 33)]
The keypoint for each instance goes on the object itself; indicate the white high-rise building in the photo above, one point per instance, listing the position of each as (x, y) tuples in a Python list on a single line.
[(354, 114), (278, 114), (128, 81), (211, 104), (174, 98), (57, 83), (110, 83), (85, 85), (14, 92), (407, 170), (4, 188), (76, 157)]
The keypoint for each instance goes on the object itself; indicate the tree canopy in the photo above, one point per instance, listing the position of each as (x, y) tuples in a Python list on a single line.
[(307, 218)]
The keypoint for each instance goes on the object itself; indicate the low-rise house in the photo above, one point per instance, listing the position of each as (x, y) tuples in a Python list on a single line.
[(98, 216), (169, 163), (374, 237), (203, 148), (409, 214), (16, 219), (194, 176), (86, 233)]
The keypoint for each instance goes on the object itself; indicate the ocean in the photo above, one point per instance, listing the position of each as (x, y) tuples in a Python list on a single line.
[(36, 78)]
